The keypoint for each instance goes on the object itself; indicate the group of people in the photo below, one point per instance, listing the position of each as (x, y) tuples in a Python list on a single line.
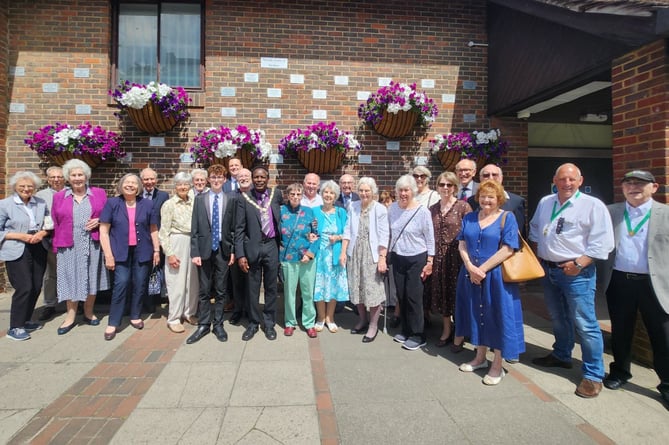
[(225, 234)]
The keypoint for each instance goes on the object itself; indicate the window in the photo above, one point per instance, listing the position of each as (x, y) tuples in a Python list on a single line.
[(160, 40)]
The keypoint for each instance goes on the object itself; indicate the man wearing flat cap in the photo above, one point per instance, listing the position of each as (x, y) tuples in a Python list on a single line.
[(636, 277)]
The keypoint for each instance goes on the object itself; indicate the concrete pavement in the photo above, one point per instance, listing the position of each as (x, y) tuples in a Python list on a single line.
[(149, 387)]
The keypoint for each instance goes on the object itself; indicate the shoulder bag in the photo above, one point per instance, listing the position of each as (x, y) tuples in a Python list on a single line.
[(523, 265)]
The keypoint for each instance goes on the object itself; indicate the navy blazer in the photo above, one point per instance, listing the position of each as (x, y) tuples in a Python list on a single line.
[(340, 200), (116, 214), (158, 198)]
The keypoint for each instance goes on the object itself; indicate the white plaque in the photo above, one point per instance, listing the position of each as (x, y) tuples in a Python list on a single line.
[(275, 158), (156, 141), (16, 107), (319, 94), (364, 159), (420, 160), (187, 158), (82, 109), (363, 95), (319, 114), (273, 92), (250, 77), (274, 113), (296, 78), (469, 118), (341, 80), (393, 145), (228, 92), (384, 81), (17, 71), (448, 98), (228, 112), (82, 72), (49, 88), (427, 83), (273, 62)]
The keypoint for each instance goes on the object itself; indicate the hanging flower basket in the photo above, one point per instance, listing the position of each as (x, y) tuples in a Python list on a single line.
[(482, 147), (218, 144), (245, 156), (61, 158), (396, 125), (316, 161), (150, 120), (448, 159)]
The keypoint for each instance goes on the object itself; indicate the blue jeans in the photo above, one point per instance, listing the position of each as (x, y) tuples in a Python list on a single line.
[(571, 305), (129, 273)]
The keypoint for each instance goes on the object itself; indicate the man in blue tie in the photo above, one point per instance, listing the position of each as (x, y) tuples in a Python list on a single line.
[(234, 167), (466, 171), (347, 195), (211, 252)]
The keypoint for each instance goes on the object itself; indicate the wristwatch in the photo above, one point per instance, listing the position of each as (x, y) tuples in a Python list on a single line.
[(578, 266)]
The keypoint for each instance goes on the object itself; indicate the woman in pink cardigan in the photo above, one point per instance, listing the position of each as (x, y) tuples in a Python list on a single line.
[(80, 273)]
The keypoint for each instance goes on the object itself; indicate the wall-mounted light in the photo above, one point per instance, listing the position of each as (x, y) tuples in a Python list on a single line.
[(523, 114), (592, 117), (472, 43)]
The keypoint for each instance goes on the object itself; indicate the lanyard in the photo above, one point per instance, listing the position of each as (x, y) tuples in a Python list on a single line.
[(628, 222), (555, 214)]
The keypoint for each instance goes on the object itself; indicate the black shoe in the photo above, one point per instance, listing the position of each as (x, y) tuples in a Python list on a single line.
[(235, 319), (270, 333), (47, 313), (362, 330), (366, 339), (612, 382), (200, 332), (65, 329), (250, 332), (220, 333), (551, 361)]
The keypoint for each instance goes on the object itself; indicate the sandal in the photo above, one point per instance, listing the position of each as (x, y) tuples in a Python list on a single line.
[(318, 326), (332, 327)]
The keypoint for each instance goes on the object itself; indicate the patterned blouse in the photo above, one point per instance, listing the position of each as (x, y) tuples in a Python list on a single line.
[(175, 218), (296, 225)]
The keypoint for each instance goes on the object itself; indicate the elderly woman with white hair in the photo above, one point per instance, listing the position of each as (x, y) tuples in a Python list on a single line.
[(331, 281), (23, 224), (363, 251), (425, 196), (76, 216), (411, 254), (174, 235)]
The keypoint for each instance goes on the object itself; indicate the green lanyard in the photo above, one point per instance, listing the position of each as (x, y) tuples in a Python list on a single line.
[(628, 222), (555, 214)]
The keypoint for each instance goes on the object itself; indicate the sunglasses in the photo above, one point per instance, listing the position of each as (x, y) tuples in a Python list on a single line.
[(420, 176), (488, 175), (445, 184)]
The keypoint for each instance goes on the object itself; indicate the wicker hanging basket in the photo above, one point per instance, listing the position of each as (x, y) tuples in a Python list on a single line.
[(150, 120), (245, 156), (317, 161), (61, 158), (396, 125)]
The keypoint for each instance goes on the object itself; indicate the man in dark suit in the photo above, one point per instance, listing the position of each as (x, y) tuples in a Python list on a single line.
[(465, 169), (238, 278), (347, 195), (149, 179), (234, 167), (211, 251), (257, 240), (514, 203), (635, 278)]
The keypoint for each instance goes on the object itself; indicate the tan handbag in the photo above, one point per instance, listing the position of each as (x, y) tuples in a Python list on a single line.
[(523, 265)]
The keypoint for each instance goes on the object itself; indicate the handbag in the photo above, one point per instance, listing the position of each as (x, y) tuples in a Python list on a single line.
[(154, 281), (523, 265)]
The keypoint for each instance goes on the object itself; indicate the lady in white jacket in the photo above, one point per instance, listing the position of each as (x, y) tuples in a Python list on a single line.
[(364, 248)]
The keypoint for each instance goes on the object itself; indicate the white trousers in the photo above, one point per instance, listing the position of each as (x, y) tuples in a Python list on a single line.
[(182, 283)]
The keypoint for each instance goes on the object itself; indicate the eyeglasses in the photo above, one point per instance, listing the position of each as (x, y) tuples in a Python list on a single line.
[(464, 170), (420, 176), (55, 177), (488, 175), (445, 184), (295, 194), (560, 225)]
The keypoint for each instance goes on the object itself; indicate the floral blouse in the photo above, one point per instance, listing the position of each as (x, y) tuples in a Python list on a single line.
[(296, 226)]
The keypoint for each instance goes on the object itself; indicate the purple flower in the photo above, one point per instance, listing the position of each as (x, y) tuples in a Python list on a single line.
[(55, 139), (320, 136), (398, 97), (224, 142), (485, 144)]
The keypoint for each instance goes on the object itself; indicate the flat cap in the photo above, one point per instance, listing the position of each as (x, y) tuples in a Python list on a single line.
[(639, 174)]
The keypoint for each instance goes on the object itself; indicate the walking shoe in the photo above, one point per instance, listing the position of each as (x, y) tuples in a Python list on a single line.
[(31, 326), (551, 361), (18, 334), (414, 343), (588, 389), (399, 338)]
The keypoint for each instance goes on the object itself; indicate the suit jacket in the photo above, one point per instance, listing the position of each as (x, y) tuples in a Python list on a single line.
[(379, 229), (514, 203), (14, 219), (340, 201), (658, 245), (200, 233), (115, 214), (248, 231), (158, 197), (474, 186), (227, 186)]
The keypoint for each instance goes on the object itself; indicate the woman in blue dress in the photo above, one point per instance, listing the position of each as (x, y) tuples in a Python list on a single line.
[(331, 280), (485, 303)]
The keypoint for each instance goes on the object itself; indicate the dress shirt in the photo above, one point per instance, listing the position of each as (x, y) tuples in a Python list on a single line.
[(586, 228), (316, 202), (221, 209), (176, 216), (467, 189), (632, 250), (417, 236)]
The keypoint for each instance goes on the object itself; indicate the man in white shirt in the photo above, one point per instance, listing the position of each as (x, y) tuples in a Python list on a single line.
[(466, 171), (234, 167), (572, 230), (635, 278), (310, 196)]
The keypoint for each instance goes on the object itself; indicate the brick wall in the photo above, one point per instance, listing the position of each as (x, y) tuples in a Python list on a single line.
[(364, 40), (640, 82), (4, 104)]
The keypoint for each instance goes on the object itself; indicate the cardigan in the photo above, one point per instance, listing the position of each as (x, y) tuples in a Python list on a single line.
[(62, 213)]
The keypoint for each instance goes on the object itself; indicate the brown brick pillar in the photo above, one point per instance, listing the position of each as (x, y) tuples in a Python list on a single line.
[(4, 111), (640, 81)]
